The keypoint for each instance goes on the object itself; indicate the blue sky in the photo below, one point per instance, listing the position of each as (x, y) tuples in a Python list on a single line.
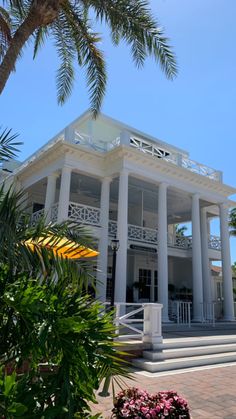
[(196, 112)]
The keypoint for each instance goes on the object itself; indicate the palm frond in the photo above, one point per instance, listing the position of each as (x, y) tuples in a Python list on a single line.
[(89, 56), (8, 145), (40, 37), (65, 72), (5, 31), (133, 22), (232, 222), (18, 5)]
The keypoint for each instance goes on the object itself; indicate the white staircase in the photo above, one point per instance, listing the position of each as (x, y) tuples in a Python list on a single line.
[(188, 352)]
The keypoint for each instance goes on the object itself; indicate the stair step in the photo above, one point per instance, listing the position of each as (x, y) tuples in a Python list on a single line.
[(186, 362), (188, 351), (195, 342)]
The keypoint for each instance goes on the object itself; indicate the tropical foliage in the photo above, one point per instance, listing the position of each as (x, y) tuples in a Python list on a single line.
[(180, 230), (232, 222), (8, 145), (72, 26), (56, 341)]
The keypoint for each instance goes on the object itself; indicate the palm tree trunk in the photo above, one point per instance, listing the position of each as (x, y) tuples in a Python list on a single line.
[(41, 13)]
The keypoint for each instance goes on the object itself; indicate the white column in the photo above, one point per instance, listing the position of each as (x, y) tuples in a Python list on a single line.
[(162, 251), (226, 264), (64, 196), (196, 260), (103, 241), (50, 195), (122, 236), (206, 274)]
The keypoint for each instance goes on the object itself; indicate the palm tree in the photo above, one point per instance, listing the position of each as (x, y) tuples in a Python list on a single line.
[(232, 222), (180, 230), (8, 145), (70, 25), (46, 315)]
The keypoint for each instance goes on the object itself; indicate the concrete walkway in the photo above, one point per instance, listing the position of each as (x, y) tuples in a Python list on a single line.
[(210, 391)]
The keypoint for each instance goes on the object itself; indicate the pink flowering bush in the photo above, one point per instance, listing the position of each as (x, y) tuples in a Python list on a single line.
[(134, 403)]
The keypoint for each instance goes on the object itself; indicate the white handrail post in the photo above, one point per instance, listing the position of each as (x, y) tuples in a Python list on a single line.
[(189, 315), (177, 309), (117, 317), (152, 327), (213, 314)]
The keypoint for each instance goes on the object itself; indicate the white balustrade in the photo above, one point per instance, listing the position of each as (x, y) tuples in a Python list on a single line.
[(140, 321), (214, 243), (84, 214), (131, 323), (36, 216), (180, 312), (208, 313), (54, 212), (112, 228), (151, 148), (182, 242), (149, 235), (159, 152), (183, 312), (142, 234), (87, 141)]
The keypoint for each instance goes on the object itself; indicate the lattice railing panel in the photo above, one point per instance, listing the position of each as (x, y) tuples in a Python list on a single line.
[(54, 213), (149, 148), (84, 214), (142, 234), (214, 243), (179, 160), (36, 216), (200, 169), (112, 228)]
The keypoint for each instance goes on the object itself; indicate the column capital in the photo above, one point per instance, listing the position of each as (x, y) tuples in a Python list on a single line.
[(163, 185), (124, 171), (224, 205), (196, 196), (106, 179), (66, 168), (53, 175)]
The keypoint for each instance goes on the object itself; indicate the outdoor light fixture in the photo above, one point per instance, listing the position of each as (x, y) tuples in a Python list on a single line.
[(115, 244)]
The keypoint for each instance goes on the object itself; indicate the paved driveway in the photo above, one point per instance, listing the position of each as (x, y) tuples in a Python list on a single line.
[(211, 392)]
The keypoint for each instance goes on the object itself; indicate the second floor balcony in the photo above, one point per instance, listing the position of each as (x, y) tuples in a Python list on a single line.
[(91, 216)]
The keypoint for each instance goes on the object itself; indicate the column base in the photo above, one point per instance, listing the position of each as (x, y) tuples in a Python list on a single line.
[(229, 319), (197, 319), (152, 339), (166, 320)]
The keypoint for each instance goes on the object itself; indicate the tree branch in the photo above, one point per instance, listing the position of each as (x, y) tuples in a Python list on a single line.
[(41, 13)]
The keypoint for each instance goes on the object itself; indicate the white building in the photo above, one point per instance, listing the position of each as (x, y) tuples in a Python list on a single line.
[(126, 184)]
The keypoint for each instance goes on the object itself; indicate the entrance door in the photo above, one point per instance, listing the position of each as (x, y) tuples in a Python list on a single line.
[(147, 285)]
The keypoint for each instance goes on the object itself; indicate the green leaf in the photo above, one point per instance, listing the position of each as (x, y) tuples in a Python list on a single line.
[(9, 383), (18, 409)]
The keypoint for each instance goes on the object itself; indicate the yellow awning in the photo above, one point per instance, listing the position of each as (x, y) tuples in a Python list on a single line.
[(62, 247)]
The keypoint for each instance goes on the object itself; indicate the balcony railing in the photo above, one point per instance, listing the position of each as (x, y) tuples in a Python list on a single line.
[(85, 214), (141, 234), (214, 243), (54, 212), (151, 148), (36, 216)]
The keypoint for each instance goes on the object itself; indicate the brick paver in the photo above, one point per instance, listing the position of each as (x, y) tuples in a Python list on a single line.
[(211, 393)]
